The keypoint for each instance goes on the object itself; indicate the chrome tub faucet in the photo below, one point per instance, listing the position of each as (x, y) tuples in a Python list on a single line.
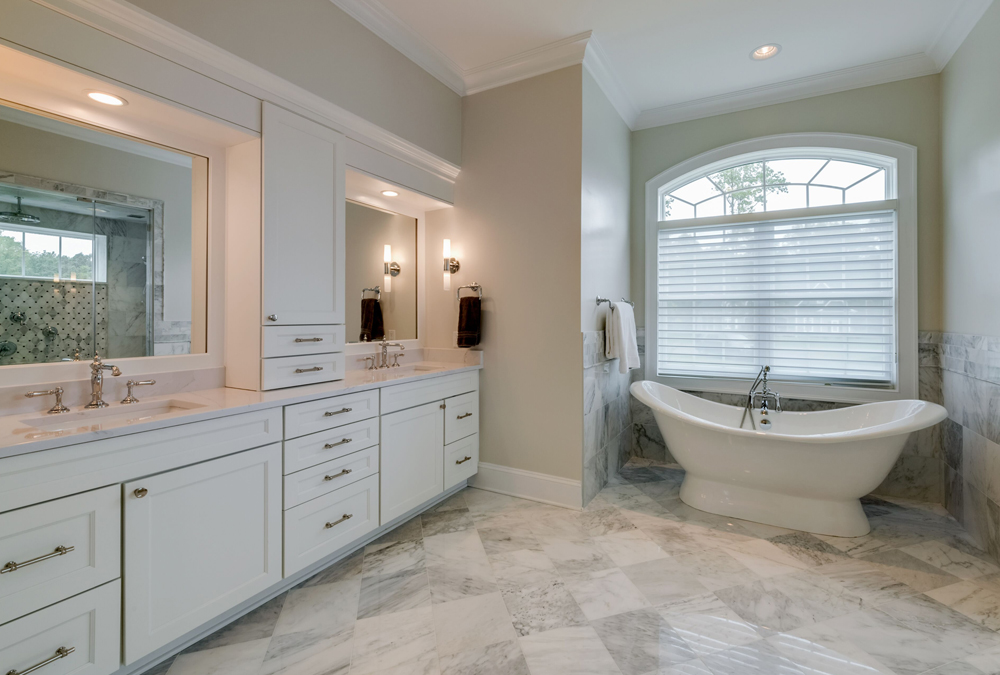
[(762, 395)]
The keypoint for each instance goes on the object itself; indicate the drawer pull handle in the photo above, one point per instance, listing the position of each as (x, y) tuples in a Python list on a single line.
[(462, 461), (331, 413), (308, 339), (343, 441), (462, 417), (141, 492), (347, 516), (338, 475), (15, 566), (61, 653), (309, 370)]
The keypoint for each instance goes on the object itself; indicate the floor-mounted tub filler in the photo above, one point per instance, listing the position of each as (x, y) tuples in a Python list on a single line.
[(804, 470)]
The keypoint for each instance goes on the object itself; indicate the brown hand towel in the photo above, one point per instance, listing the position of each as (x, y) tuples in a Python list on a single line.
[(372, 328), (469, 321)]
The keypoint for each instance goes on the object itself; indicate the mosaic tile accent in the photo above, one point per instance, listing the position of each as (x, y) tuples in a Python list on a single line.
[(58, 319)]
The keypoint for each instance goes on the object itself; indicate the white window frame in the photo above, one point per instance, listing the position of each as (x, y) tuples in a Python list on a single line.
[(100, 251), (900, 162)]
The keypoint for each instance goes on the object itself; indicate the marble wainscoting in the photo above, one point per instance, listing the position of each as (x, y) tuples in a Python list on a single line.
[(607, 435), (919, 473), (964, 374)]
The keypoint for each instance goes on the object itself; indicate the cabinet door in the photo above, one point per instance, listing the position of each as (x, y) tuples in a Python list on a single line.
[(303, 233), (412, 465), (199, 541)]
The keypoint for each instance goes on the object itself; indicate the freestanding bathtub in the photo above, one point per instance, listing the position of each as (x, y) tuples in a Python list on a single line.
[(806, 472)]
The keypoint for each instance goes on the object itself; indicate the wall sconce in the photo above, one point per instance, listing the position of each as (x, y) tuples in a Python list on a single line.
[(390, 269), (451, 265)]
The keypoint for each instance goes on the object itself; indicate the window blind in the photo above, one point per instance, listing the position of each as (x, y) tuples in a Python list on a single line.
[(814, 298)]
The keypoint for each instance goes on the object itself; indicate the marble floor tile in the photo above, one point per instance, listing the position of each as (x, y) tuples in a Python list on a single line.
[(309, 652), (254, 625), (604, 593), (863, 580), (472, 623), (979, 602), (235, 659), (344, 569), (398, 643), (909, 570), (707, 624), (497, 540), (763, 558), (393, 557), (542, 607), (715, 569), (456, 546), (408, 531), (501, 658), (523, 568), (571, 556), (663, 581), (642, 641), (456, 501), (630, 548), (856, 546), (443, 522), (573, 650), (808, 548), (756, 658), (695, 667), (390, 593), (951, 560), (818, 649), (460, 579), (602, 522)]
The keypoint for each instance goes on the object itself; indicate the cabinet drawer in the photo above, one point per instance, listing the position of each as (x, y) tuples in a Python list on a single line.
[(461, 416), (306, 451), (86, 526), (327, 413), (461, 460), (293, 371), (318, 480), (322, 526), (87, 626), (301, 340), (412, 394)]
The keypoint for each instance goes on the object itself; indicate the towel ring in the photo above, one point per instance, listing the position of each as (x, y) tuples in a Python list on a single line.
[(374, 289), (472, 287)]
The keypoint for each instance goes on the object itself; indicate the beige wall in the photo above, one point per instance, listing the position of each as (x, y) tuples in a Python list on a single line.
[(906, 111), (34, 152), (368, 231), (314, 44), (604, 206), (516, 230), (970, 88)]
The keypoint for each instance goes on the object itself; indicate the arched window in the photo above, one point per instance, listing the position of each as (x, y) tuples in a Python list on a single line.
[(797, 252)]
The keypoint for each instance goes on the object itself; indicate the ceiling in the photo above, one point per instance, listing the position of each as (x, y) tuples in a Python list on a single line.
[(662, 61)]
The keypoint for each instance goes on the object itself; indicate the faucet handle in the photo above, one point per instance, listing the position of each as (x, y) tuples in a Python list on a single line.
[(135, 383), (58, 393)]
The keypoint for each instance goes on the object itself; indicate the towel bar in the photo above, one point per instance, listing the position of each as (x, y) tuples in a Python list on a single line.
[(601, 300)]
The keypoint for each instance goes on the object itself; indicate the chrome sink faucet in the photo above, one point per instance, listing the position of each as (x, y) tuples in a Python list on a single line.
[(762, 395), (97, 369), (385, 354)]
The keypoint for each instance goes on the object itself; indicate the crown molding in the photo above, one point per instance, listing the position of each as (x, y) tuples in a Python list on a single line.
[(596, 61), (378, 19), (147, 31), (545, 59), (953, 33), (790, 90)]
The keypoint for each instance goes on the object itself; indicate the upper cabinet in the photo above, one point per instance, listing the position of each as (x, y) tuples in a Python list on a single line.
[(303, 232)]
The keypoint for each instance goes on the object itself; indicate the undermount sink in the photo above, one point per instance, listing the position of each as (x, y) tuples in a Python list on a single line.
[(114, 415)]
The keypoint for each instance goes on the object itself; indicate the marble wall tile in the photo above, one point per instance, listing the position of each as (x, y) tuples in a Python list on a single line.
[(915, 477)]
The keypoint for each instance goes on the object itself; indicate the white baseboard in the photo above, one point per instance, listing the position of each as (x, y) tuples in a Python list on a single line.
[(538, 487)]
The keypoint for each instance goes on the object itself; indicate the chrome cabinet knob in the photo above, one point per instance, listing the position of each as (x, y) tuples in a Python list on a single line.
[(141, 492), (272, 317)]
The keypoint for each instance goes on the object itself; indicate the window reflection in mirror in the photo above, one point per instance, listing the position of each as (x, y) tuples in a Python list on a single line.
[(103, 244), (391, 310)]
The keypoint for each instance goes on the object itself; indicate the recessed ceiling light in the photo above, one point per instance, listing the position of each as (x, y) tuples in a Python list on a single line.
[(106, 99), (765, 52), (390, 193)]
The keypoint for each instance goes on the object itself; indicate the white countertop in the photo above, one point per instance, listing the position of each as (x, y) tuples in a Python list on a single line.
[(19, 436)]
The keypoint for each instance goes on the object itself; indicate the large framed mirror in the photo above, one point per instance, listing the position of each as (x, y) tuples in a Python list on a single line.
[(103, 243)]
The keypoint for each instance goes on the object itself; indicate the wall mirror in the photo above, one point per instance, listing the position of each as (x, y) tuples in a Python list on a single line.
[(381, 274), (103, 244)]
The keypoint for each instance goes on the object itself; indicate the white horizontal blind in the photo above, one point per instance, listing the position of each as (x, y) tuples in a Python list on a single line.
[(814, 298)]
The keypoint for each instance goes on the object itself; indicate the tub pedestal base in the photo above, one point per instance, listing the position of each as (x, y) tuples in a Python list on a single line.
[(820, 516)]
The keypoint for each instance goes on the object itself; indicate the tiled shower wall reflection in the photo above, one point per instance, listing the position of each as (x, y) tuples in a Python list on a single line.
[(919, 473), (963, 374), (607, 436)]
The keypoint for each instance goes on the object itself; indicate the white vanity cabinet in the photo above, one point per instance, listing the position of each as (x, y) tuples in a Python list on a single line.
[(412, 458), (199, 541)]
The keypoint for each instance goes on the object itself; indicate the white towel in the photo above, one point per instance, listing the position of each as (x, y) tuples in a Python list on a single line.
[(619, 337)]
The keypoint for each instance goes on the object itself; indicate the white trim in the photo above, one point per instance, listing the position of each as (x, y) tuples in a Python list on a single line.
[(538, 487), (596, 61), (903, 158), (147, 31), (791, 90), (377, 18), (964, 18), (538, 61)]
